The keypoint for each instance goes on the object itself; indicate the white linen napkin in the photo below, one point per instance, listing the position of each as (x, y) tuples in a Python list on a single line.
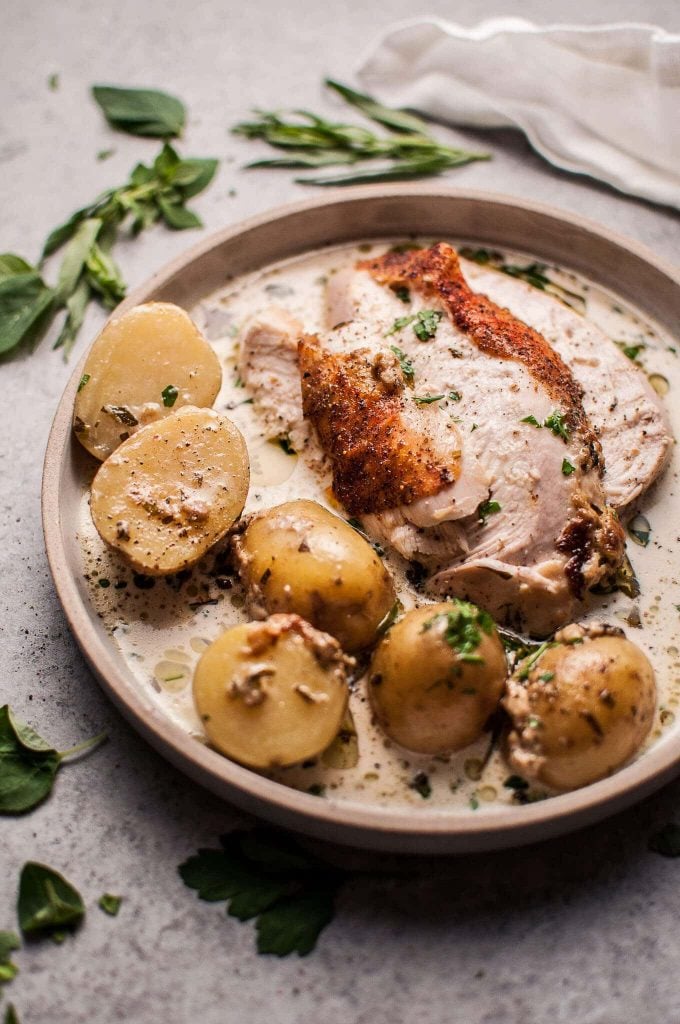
[(600, 100)]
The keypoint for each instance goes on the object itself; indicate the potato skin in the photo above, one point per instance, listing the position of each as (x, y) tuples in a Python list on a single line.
[(172, 490), (425, 695), (299, 557), (273, 693), (135, 358), (582, 709)]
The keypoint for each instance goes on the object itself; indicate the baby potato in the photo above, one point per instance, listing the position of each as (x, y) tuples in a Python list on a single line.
[(437, 676), (581, 708), (172, 490), (299, 557), (144, 364), (272, 693)]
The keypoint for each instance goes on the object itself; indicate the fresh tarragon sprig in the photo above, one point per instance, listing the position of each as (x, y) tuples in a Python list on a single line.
[(409, 151), (88, 271)]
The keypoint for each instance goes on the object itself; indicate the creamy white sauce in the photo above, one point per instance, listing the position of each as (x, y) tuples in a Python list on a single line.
[(162, 631)]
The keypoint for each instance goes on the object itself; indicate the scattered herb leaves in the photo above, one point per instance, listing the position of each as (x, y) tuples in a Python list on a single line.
[(406, 364), (567, 467), (83, 381), (310, 141), (109, 903), (556, 422), (529, 662), (169, 396), (486, 509), (532, 420), (425, 324), (28, 764), (631, 351), (9, 942), (145, 112), (427, 399), (47, 901), (463, 628), (266, 875), (533, 273)]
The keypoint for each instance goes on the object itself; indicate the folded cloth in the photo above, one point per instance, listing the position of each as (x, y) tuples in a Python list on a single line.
[(601, 100)]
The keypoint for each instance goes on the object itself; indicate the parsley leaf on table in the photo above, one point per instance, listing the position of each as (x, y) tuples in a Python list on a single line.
[(47, 901), (145, 112), (28, 764), (266, 875)]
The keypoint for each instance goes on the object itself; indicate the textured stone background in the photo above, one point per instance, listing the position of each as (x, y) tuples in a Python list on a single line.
[(579, 930)]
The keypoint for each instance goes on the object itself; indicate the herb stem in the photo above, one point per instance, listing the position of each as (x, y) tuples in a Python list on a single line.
[(85, 745)]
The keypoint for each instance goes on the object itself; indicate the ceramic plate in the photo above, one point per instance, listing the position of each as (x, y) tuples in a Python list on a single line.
[(633, 294)]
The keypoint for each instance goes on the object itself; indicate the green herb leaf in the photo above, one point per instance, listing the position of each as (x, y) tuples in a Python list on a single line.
[(177, 216), (266, 875), (397, 120), (28, 764), (47, 900), (427, 399), (76, 307), (402, 293), (421, 784), (532, 420), (83, 381), (486, 509), (666, 840), (454, 396), (145, 112), (169, 396), (104, 276), (24, 300), (631, 351), (463, 628), (529, 662), (109, 903), (11, 265), (567, 468), (75, 257), (534, 274), (399, 324), (425, 324), (9, 942), (556, 422), (11, 1015), (406, 364)]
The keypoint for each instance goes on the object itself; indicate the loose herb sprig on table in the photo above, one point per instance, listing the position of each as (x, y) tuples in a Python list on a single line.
[(158, 192), (28, 764), (410, 151), (266, 875), (48, 903)]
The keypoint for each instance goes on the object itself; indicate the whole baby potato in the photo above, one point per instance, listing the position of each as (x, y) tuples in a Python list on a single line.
[(272, 693), (437, 676), (581, 709), (172, 490), (144, 365), (299, 557)]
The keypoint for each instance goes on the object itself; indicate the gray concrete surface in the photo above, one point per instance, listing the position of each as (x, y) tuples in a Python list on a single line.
[(582, 929)]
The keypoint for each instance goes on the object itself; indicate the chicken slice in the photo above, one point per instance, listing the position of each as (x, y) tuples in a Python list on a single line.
[(628, 415)]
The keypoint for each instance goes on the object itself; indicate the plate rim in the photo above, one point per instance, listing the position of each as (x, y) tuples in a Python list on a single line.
[(340, 821)]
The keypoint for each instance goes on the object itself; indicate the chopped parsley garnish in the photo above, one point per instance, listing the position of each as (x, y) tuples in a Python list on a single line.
[(83, 381), (454, 396), (531, 660), (556, 422), (532, 420), (406, 364), (631, 351), (266, 875), (425, 324), (533, 273), (109, 903), (464, 625), (427, 399), (486, 509), (169, 395), (286, 446), (567, 468), (421, 784), (640, 530), (547, 677), (402, 292)]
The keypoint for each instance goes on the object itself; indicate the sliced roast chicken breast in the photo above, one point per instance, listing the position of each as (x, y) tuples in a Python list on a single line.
[(626, 412)]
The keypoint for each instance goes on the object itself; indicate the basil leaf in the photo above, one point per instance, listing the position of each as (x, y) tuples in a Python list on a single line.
[(76, 307), (105, 277), (46, 900), (75, 257), (397, 120), (24, 298), (177, 216), (145, 112)]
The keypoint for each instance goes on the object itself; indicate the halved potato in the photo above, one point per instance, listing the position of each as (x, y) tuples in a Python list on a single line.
[(272, 693), (172, 490), (145, 364)]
